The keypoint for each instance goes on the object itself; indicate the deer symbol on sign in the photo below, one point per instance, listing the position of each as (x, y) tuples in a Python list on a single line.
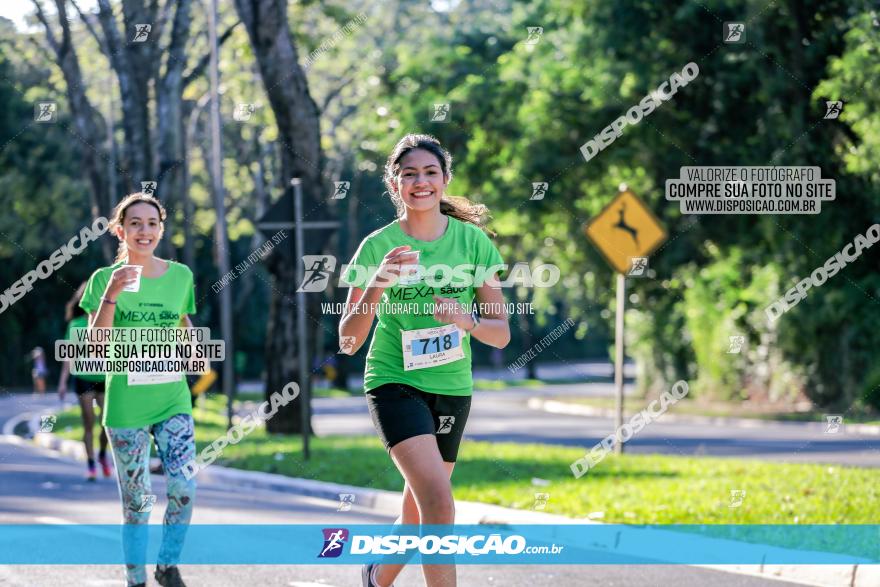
[(622, 225)]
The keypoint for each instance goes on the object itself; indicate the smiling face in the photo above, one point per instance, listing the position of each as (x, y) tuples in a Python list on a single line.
[(141, 229), (420, 182)]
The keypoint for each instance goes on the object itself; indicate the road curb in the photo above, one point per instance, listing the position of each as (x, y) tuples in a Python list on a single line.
[(389, 502), (383, 501), (571, 409), (380, 500)]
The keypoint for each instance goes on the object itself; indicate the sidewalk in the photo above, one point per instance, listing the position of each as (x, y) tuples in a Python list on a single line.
[(389, 503)]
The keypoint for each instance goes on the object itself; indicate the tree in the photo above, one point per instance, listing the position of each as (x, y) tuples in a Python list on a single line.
[(298, 132), (89, 124)]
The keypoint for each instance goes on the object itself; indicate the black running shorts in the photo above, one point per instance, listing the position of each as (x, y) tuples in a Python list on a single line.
[(400, 411), (81, 386)]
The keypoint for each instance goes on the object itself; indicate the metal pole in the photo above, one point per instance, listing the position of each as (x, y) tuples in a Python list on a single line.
[(618, 359), (301, 317), (188, 244), (220, 225)]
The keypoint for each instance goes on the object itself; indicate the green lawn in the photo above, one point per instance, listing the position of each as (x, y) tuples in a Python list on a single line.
[(628, 489), (494, 384)]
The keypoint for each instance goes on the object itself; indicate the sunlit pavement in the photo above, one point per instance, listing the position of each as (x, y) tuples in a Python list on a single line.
[(40, 488)]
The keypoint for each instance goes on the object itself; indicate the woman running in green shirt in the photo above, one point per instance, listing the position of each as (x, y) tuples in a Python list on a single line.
[(89, 390), (137, 407), (418, 379)]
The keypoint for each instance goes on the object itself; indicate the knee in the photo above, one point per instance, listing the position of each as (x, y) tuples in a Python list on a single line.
[(181, 491), (437, 506), (410, 508)]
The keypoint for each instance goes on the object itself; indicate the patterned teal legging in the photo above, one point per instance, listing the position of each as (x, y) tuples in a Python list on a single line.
[(131, 452)]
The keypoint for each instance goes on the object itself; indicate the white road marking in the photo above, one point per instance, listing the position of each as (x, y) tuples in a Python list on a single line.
[(107, 534)]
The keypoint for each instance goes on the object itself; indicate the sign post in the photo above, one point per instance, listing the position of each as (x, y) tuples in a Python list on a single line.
[(275, 219), (625, 232)]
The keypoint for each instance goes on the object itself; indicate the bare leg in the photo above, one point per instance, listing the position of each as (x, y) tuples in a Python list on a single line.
[(103, 439), (88, 418), (427, 478), (387, 573)]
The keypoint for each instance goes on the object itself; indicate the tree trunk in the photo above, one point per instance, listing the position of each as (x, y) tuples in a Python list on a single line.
[(89, 126), (169, 109), (134, 64), (299, 141)]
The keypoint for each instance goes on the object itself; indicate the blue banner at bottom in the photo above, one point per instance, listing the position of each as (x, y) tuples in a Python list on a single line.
[(568, 544)]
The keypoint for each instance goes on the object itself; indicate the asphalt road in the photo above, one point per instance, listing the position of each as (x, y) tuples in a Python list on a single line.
[(39, 487), (503, 416)]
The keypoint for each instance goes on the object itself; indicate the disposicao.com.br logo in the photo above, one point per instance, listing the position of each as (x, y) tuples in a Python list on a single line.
[(449, 544), (334, 541), (320, 268)]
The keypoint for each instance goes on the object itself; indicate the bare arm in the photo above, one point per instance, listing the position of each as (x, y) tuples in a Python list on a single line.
[(360, 310), (492, 328), (103, 318), (360, 307)]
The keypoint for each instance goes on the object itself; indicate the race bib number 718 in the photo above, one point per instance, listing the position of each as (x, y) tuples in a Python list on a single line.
[(429, 347)]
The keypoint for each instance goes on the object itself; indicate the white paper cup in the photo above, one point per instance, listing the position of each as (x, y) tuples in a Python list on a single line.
[(410, 274), (136, 286)]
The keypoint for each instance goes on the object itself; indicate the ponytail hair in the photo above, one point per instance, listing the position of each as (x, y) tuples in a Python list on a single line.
[(118, 216), (457, 207)]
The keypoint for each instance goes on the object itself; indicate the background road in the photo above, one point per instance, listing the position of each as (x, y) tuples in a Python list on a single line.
[(40, 488), (503, 416)]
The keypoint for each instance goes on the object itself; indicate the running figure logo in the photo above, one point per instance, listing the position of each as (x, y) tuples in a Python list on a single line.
[(341, 190), (441, 113), (622, 225), (833, 108), (346, 345), (736, 344), (345, 502), (638, 266), (736, 497), (45, 111), (833, 422), (734, 32), (318, 270), (334, 540), (539, 189), (141, 32), (540, 501), (47, 423), (446, 423), (242, 112), (535, 33), (147, 502), (149, 187)]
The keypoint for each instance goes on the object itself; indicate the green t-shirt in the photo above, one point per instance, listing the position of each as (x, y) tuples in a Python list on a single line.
[(81, 322), (161, 302), (461, 244)]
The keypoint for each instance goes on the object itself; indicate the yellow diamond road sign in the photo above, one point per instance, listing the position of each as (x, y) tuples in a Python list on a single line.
[(626, 228)]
